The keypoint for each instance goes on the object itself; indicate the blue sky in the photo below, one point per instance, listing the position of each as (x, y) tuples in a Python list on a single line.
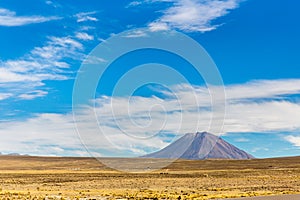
[(255, 45)]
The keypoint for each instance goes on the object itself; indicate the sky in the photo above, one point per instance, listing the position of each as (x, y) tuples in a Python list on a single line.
[(44, 44)]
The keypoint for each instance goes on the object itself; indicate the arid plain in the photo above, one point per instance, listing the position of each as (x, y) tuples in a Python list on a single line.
[(26, 177)]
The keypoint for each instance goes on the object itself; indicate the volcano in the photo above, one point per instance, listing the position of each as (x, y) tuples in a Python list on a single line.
[(200, 146)]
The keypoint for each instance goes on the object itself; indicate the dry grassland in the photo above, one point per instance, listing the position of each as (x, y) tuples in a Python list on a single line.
[(86, 178)]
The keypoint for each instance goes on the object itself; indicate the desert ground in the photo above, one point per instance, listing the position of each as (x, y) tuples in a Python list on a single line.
[(26, 177)]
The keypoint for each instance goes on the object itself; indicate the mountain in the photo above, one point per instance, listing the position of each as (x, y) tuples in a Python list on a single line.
[(200, 146)]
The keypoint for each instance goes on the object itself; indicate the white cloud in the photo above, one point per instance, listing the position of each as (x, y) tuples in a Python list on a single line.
[(86, 16), (257, 89), (33, 95), (9, 18), (158, 26), (264, 89), (144, 117), (84, 36), (8, 76), (45, 134), (55, 134), (272, 116), (193, 15), (295, 140), (141, 2), (94, 60), (25, 76), (57, 48), (134, 3), (5, 96), (136, 34)]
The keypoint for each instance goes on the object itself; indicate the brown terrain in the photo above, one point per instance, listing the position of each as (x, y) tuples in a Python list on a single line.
[(25, 177)]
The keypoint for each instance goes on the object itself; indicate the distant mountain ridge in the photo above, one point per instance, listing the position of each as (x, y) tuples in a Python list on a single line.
[(13, 154), (200, 146)]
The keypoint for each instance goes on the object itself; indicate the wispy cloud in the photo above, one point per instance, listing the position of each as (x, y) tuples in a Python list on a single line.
[(86, 16), (136, 34), (10, 18), (190, 15), (57, 48), (25, 76), (264, 89), (53, 4), (84, 36), (32, 95), (141, 2), (134, 3)]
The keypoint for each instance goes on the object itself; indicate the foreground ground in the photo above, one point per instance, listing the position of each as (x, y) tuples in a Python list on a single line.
[(85, 178)]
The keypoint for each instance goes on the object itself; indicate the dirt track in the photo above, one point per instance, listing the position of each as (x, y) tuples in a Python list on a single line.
[(282, 197)]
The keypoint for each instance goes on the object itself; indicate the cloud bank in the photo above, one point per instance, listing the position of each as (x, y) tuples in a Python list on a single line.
[(259, 106)]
